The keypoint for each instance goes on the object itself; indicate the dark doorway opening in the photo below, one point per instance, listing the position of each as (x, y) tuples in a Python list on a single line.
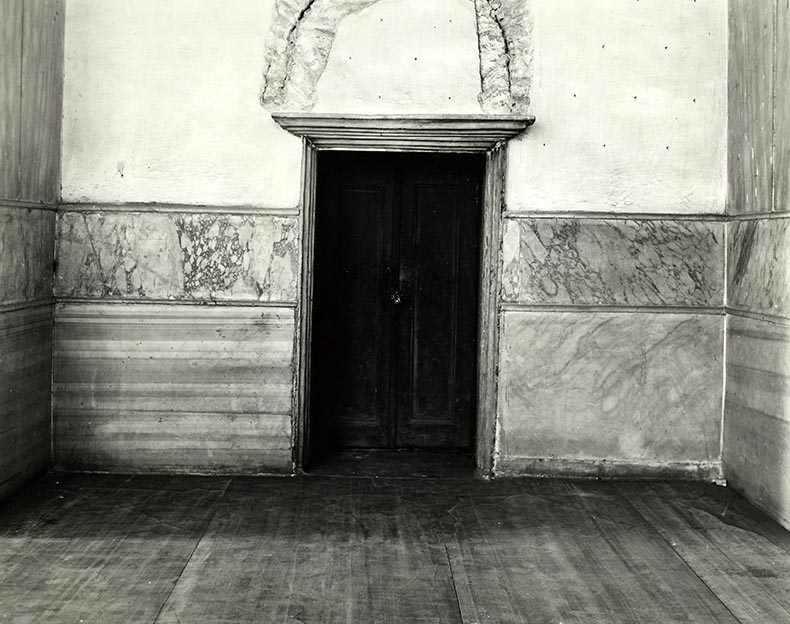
[(395, 303)]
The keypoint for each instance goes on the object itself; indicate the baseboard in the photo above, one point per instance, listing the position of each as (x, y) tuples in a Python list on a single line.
[(606, 469)]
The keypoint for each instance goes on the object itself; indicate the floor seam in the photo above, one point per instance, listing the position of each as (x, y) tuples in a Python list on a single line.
[(653, 529), (452, 580), (192, 554)]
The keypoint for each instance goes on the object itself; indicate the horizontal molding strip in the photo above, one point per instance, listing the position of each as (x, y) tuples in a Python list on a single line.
[(206, 303), (21, 320), (778, 319), (185, 414), (26, 205), (15, 306), (189, 316), (611, 309), (514, 466), (504, 307), (155, 207), (618, 216), (759, 216)]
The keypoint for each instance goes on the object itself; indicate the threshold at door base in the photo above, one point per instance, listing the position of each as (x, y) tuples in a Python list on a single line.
[(398, 464)]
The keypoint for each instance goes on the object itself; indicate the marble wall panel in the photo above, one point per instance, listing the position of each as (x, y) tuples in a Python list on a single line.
[(756, 450), (42, 99), (750, 102), (31, 81), (31, 103), (134, 255), (162, 387), (10, 102), (759, 266), (25, 372), (641, 388), (781, 109), (613, 262), (27, 242)]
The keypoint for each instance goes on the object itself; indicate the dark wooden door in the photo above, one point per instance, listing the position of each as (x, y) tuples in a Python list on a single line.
[(395, 301)]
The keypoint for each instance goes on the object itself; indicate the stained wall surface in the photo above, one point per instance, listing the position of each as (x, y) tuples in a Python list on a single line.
[(180, 191), (757, 409), (31, 66)]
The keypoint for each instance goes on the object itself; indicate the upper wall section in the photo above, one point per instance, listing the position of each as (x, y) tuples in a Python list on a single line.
[(759, 123), (164, 105), (161, 104), (631, 106), (430, 59), (31, 66)]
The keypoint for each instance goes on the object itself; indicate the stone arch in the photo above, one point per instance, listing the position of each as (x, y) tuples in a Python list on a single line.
[(303, 31)]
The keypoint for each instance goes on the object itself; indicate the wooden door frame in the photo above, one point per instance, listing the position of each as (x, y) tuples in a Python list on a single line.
[(453, 133)]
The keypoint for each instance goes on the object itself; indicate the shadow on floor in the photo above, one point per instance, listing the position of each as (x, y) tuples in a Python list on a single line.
[(109, 548)]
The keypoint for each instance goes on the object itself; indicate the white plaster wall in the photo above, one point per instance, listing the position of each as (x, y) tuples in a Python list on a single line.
[(404, 56), (161, 105), (631, 105)]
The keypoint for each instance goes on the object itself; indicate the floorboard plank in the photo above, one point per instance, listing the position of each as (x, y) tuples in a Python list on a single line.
[(727, 549), (645, 562), (537, 552), (316, 550), (105, 555)]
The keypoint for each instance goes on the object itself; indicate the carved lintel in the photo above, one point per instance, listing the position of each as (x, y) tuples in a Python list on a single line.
[(420, 133)]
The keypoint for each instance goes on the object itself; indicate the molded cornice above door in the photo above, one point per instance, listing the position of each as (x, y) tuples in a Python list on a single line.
[(420, 133)]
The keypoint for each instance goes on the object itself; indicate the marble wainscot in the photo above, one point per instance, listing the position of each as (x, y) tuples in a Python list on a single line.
[(757, 419), (613, 262), (27, 237), (178, 256), (602, 393), (759, 266)]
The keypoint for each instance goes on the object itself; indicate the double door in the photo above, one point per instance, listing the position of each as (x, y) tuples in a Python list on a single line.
[(395, 301)]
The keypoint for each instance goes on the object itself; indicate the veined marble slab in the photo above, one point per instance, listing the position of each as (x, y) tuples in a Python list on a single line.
[(750, 94), (781, 125), (757, 414), (178, 256), (759, 266), (622, 387), (613, 262), (27, 238), (163, 388), (25, 394)]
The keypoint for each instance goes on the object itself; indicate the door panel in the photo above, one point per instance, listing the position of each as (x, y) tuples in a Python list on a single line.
[(352, 328), (396, 295), (358, 317), (439, 251)]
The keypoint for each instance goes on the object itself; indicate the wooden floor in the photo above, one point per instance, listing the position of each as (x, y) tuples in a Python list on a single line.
[(363, 550)]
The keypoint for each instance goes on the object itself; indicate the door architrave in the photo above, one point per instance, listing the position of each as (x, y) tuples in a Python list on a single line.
[(409, 133)]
